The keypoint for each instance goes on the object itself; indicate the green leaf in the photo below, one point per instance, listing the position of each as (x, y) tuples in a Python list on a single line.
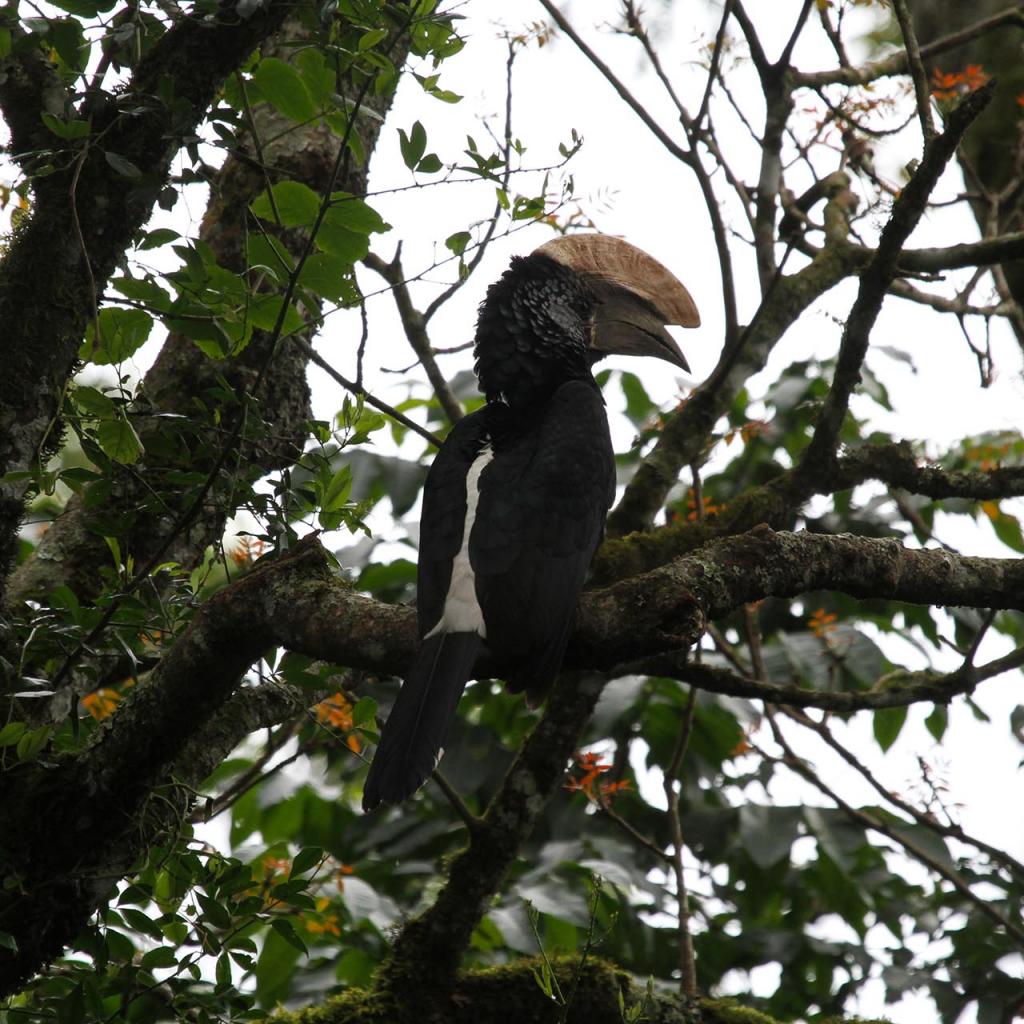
[(144, 290), (768, 833), (306, 859), (162, 956), (276, 965), (287, 931), (639, 406), (122, 332), (347, 226), (296, 204), (84, 8), (123, 166), (457, 243), (140, 922), (413, 145), (937, 722), (430, 164), (32, 742), (11, 733), (330, 277), (887, 725), (349, 211), (157, 237), (370, 39), (214, 911), (1008, 530), (118, 439), (265, 310), (364, 712), (70, 43), (283, 86), (72, 129)]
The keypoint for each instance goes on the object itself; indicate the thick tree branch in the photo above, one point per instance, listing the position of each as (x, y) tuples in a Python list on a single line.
[(778, 503), (893, 692), (71, 858), (971, 254), (897, 64)]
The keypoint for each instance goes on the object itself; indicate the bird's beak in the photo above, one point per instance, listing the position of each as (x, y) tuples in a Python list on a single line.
[(626, 325), (637, 296)]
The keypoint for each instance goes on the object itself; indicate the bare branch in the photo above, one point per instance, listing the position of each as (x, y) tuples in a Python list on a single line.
[(358, 389), (876, 277), (897, 63), (898, 836), (909, 688), (687, 966), (951, 831), (616, 83), (757, 54), (415, 325), (917, 72)]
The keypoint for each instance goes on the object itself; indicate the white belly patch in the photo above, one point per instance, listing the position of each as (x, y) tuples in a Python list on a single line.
[(462, 612)]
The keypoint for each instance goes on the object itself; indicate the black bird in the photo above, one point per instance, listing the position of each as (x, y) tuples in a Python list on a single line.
[(514, 504)]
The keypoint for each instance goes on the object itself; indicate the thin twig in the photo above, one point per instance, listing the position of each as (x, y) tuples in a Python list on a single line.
[(989, 909), (949, 830), (687, 966), (415, 324), (917, 71), (358, 389), (492, 225), (801, 21), (469, 819), (716, 59)]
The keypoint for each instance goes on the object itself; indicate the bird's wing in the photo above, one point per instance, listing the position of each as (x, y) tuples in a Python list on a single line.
[(540, 517), (444, 514)]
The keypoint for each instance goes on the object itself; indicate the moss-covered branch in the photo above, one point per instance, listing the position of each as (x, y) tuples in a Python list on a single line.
[(65, 862)]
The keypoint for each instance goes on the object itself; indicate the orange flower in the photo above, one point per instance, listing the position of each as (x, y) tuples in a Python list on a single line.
[(710, 508), (948, 86), (752, 429), (247, 550), (325, 924), (821, 622), (276, 865), (608, 789), (336, 711), (592, 767), (101, 703)]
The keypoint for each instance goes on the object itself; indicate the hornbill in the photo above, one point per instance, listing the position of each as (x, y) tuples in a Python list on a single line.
[(514, 504)]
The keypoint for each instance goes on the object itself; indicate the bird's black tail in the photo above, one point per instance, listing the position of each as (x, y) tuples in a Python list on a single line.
[(411, 740)]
